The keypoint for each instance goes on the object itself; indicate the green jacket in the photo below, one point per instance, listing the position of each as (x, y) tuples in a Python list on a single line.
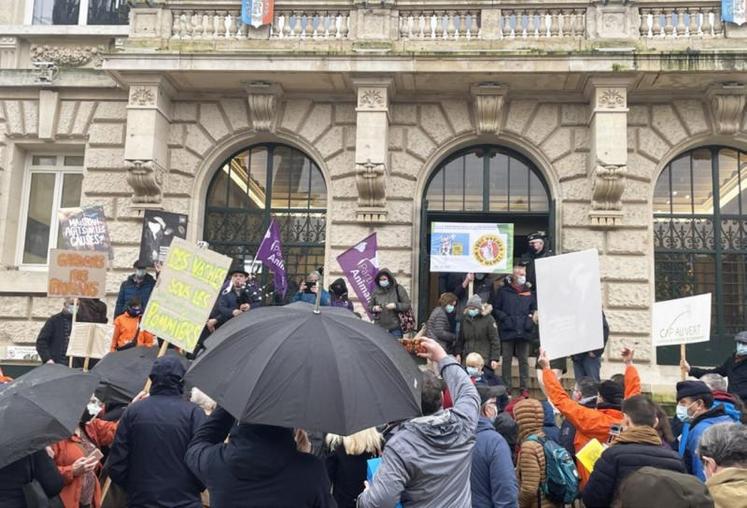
[(395, 294), (479, 335)]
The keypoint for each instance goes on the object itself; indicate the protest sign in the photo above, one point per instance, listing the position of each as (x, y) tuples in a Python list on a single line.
[(89, 340), (471, 247), (21, 353), (590, 453), (184, 295), (84, 228), (682, 321), (270, 252), (159, 230), (569, 303), (77, 274), (360, 264)]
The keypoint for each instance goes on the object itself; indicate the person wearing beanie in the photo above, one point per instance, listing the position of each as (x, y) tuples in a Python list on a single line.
[(140, 284), (147, 456), (591, 422), (479, 333), (513, 307), (734, 368), (439, 326), (695, 409), (338, 291), (661, 488)]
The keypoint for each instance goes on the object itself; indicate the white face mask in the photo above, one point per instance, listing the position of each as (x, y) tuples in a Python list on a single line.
[(140, 273), (521, 279), (384, 283), (93, 408), (741, 349)]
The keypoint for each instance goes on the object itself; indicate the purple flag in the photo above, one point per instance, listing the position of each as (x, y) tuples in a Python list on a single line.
[(270, 253), (360, 265)]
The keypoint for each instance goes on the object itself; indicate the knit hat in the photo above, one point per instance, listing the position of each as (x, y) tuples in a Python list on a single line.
[(650, 486), (741, 337), (691, 389), (474, 301), (612, 392)]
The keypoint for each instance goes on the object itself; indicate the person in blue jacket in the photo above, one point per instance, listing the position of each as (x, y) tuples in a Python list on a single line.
[(308, 290), (140, 284), (695, 408)]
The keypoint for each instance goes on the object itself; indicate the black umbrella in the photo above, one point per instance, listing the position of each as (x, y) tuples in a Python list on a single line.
[(40, 408), (124, 373), (291, 367)]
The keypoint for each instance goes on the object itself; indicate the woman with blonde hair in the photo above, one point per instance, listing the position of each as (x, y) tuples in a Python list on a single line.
[(347, 463)]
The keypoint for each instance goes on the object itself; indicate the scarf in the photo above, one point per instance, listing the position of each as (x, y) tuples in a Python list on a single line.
[(639, 435)]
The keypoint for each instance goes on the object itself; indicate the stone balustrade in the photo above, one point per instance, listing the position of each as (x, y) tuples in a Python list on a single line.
[(439, 24), (675, 20), (207, 24), (542, 22), (311, 24)]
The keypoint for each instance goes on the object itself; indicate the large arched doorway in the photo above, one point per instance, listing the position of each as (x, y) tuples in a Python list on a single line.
[(484, 183), (264, 181), (700, 243)]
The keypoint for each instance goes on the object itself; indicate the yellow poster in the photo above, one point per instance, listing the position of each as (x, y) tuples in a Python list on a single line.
[(590, 453)]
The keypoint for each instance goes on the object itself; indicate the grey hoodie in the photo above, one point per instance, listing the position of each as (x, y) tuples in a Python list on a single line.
[(427, 462)]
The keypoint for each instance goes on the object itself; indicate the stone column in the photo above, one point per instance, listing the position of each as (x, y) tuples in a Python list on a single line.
[(372, 147), (146, 152)]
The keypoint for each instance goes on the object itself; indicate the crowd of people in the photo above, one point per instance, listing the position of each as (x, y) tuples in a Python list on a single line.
[(480, 440)]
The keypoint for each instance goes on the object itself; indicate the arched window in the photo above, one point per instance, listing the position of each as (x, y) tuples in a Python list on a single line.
[(263, 181), (700, 241)]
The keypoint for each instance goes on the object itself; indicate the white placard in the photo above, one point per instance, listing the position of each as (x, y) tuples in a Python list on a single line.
[(682, 321), (27, 353), (569, 302), (91, 340)]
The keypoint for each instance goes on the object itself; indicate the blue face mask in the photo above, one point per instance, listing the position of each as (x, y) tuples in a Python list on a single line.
[(682, 414), (384, 283), (450, 308), (472, 371), (741, 349), (473, 312)]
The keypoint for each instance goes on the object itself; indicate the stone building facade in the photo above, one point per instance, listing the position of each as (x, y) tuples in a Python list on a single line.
[(593, 100)]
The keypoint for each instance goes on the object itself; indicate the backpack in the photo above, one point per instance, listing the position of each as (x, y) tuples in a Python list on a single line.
[(561, 475)]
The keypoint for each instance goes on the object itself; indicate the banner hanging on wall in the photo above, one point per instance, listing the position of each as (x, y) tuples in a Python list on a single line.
[(471, 247)]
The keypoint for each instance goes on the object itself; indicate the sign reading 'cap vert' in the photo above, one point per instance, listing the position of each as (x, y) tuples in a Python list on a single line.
[(77, 274), (186, 290)]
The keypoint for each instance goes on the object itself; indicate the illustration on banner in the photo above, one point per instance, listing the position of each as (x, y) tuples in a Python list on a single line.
[(471, 247)]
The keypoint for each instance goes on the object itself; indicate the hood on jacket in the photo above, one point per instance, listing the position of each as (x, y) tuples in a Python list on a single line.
[(166, 374), (530, 416), (483, 424), (388, 273), (486, 310), (259, 451), (440, 430), (338, 287)]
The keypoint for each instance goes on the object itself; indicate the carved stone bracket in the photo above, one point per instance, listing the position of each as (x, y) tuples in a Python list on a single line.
[(263, 99), (67, 56), (370, 180), (607, 187), (727, 107), (146, 179), (488, 105)]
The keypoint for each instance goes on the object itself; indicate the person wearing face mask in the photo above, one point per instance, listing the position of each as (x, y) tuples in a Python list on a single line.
[(538, 248), (51, 343), (140, 284), (127, 332), (734, 368), (696, 410), (479, 333), (439, 325), (388, 301), (723, 451), (492, 479), (513, 307)]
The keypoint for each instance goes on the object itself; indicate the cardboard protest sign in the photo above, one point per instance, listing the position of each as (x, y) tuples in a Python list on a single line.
[(159, 230), (77, 274), (89, 340), (187, 287), (360, 264), (569, 303), (472, 247), (84, 228), (682, 321)]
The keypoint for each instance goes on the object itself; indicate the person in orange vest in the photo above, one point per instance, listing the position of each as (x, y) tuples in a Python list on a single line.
[(127, 332), (596, 422)]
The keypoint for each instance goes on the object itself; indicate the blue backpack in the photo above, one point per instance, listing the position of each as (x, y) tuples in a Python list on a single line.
[(561, 475)]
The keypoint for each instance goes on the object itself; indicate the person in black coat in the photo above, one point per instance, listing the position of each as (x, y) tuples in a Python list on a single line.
[(258, 467), (538, 248), (37, 466), (140, 284), (734, 368), (637, 446), (51, 343), (147, 456)]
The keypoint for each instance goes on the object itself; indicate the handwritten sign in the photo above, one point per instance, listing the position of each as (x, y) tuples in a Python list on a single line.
[(186, 290), (77, 274), (682, 321), (84, 228), (89, 340)]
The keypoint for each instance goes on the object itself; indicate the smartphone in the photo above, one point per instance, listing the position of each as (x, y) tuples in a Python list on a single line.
[(95, 456), (615, 430)]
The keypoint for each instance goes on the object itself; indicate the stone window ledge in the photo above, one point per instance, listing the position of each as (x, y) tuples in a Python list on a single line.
[(25, 281), (76, 30)]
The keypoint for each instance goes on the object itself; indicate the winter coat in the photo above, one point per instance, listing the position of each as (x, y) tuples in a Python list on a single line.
[(310, 298), (340, 302), (347, 474), (589, 422), (91, 310), (492, 480), (661, 488), (439, 328), (258, 467), (51, 344), (529, 258), (427, 462), (67, 451), (549, 427), (37, 466), (506, 426), (531, 463), (147, 457), (396, 294), (728, 487), (512, 308), (636, 447), (734, 368), (568, 431), (480, 335), (691, 435), (130, 288), (125, 329), (452, 283)]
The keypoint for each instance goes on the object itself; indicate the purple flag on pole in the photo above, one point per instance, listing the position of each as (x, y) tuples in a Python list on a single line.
[(270, 253), (360, 265)]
